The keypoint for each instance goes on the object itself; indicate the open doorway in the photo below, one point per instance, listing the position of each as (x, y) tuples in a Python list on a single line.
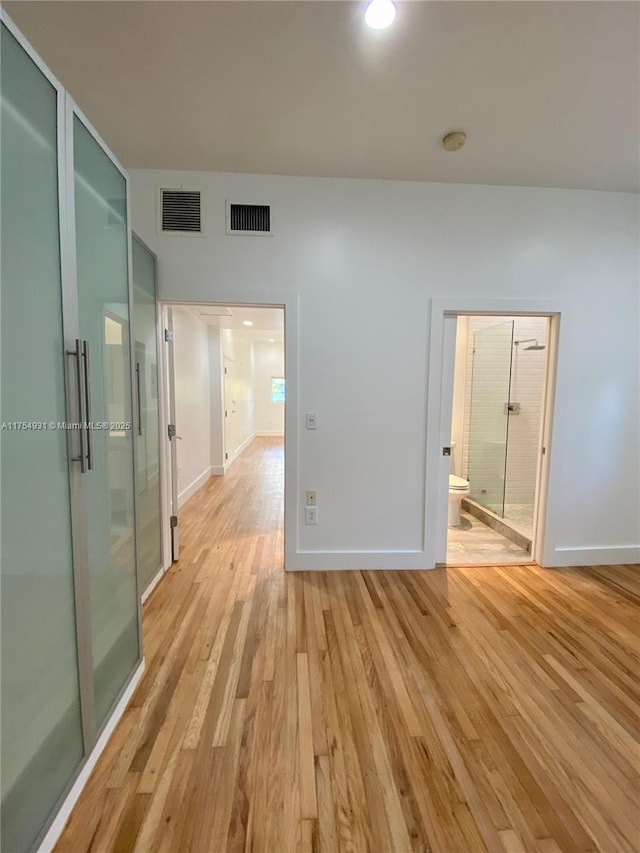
[(225, 402), (497, 427)]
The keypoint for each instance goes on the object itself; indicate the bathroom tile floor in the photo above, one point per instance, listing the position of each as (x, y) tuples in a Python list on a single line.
[(521, 516), (474, 542)]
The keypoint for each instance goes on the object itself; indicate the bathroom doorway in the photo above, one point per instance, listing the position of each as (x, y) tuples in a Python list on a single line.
[(497, 426)]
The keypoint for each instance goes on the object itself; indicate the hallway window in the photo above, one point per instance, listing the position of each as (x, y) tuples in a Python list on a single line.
[(277, 389)]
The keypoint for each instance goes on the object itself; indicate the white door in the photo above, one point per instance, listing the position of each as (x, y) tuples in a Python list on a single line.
[(444, 445), (232, 438), (172, 437)]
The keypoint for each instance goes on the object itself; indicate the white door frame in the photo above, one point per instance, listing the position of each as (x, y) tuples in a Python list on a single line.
[(289, 302), (172, 438), (444, 315), (227, 361), (163, 419)]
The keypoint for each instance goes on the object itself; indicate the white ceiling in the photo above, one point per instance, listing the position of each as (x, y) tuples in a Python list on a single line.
[(548, 92), (267, 322)]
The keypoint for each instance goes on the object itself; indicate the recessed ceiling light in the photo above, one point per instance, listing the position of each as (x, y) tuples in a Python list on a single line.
[(272, 340), (380, 14), (247, 323)]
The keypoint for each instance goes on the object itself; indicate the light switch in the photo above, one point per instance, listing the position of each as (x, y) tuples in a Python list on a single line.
[(311, 420)]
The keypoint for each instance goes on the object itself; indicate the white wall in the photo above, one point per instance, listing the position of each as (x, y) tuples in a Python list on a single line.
[(268, 362), (459, 392), (217, 401), (201, 351), (191, 360), (237, 349), (363, 259)]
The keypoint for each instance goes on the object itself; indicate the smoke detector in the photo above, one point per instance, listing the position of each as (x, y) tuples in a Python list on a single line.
[(454, 141)]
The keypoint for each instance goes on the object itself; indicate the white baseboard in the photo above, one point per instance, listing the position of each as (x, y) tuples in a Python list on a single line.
[(277, 433), (328, 561), (59, 823), (193, 487), (152, 585), (604, 555), (239, 450), (336, 561), (216, 470)]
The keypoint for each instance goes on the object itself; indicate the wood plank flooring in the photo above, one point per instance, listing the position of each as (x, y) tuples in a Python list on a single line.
[(476, 709)]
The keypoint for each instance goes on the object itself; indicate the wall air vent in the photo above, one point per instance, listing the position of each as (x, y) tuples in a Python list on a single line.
[(249, 219), (181, 211)]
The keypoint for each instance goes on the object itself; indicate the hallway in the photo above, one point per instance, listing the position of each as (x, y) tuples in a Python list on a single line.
[(488, 709)]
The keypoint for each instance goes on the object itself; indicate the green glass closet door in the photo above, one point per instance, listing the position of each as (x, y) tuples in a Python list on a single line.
[(148, 455), (103, 300), (42, 744)]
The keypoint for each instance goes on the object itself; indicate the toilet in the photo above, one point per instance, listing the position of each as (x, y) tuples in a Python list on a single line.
[(458, 489)]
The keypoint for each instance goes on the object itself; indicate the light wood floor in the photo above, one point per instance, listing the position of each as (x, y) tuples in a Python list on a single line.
[(458, 710)]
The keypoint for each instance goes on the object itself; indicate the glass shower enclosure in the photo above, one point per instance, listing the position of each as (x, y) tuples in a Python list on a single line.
[(507, 384)]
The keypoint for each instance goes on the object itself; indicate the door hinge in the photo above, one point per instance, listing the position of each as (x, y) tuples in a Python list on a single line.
[(171, 430), (225, 371), (168, 335), (173, 521), (225, 414), (226, 455)]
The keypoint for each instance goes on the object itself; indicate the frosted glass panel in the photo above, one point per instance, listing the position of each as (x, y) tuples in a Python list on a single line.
[(489, 421), (148, 455), (101, 247), (41, 725)]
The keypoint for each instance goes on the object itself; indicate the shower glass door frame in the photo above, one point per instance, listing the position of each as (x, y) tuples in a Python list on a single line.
[(490, 414), (502, 453)]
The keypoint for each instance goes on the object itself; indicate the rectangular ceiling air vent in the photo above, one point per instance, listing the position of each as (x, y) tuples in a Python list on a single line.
[(248, 219), (181, 211), (216, 311)]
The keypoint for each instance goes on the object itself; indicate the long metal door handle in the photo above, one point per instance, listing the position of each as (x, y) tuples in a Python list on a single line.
[(139, 398), (77, 354), (87, 404)]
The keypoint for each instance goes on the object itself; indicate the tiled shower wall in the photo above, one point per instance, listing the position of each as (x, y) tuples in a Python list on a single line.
[(527, 387)]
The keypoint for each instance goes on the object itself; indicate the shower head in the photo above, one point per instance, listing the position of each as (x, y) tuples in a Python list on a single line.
[(534, 346)]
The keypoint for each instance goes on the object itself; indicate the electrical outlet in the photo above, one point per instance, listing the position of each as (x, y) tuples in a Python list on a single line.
[(311, 499), (310, 515)]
